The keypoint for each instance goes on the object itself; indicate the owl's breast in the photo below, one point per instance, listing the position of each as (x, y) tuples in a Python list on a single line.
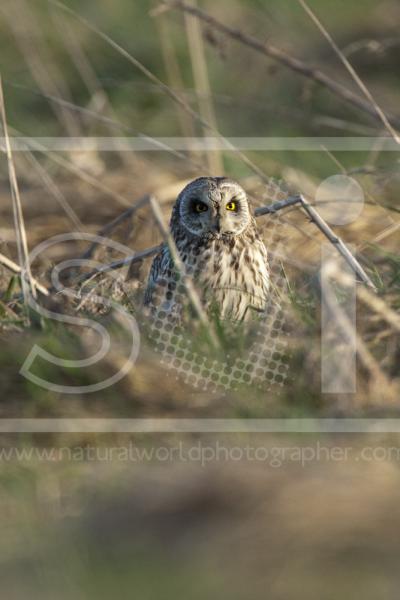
[(234, 278)]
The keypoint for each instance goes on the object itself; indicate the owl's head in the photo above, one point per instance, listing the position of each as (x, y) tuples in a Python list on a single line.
[(212, 206)]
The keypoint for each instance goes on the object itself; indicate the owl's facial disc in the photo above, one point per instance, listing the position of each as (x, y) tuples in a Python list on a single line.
[(215, 210), (196, 213), (233, 212)]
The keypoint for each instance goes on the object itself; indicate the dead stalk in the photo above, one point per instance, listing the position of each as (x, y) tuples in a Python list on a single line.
[(31, 42), (379, 112), (324, 228), (14, 268), (99, 97), (28, 286), (160, 84), (263, 210), (378, 305), (168, 191), (174, 75), (119, 264), (293, 63), (72, 168), (109, 227), (55, 191), (347, 327), (202, 85)]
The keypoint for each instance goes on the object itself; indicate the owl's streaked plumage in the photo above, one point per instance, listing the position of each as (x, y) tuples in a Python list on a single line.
[(218, 242)]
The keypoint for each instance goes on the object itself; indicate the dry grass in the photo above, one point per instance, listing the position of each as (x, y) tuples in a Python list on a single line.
[(83, 527), (299, 254)]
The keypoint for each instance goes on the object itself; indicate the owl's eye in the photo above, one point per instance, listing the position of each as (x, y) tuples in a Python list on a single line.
[(200, 207), (232, 206)]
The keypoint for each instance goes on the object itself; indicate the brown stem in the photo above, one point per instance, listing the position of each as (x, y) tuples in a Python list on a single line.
[(284, 58)]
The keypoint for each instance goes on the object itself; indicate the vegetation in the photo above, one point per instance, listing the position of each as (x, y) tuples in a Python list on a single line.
[(144, 71)]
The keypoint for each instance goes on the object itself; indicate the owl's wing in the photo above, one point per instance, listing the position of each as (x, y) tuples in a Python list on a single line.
[(260, 298), (160, 270)]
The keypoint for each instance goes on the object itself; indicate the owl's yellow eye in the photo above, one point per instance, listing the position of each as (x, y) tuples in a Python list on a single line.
[(200, 207), (231, 206)]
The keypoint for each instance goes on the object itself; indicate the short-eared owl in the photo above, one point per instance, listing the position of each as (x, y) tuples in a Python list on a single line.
[(217, 239)]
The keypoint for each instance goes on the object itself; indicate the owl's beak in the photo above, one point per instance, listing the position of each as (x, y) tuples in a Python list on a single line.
[(217, 225)]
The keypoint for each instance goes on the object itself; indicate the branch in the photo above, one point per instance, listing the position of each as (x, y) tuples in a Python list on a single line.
[(378, 305), (282, 57), (115, 222), (176, 97), (350, 69), (343, 322), (322, 226), (14, 268), (27, 284), (263, 210), (123, 262), (273, 208)]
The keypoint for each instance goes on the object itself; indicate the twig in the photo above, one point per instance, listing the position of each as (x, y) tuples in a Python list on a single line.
[(284, 58), (55, 191), (35, 146), (115, 222), (149, 252), (4, 308), (322, 226), (383, 234), (33, 46), (123, 262), (153, 78), (276, 206), (112, 122), (99, 97), (202, 85), (350, 69), (193, 296), (158, 82), (345, 172), (337, 242), (375, 303), (352, 337), (372, 45), (14, 268), (22, 244), (174, 75), (263, 210), (164, 194)]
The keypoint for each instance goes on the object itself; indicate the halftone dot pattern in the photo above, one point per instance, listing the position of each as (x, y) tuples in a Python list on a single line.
[(264, 363)]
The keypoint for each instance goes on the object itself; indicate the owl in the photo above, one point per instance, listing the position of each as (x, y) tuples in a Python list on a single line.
[(217, 239)]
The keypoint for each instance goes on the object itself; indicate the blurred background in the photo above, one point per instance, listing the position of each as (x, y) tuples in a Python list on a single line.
[(80, 528)]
